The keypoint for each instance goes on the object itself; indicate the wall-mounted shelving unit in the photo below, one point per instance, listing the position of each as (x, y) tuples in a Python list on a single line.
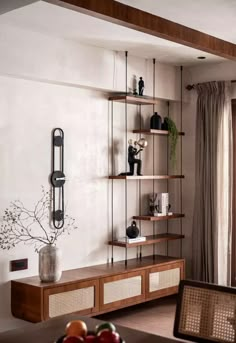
[(154, 238), (135, 100)]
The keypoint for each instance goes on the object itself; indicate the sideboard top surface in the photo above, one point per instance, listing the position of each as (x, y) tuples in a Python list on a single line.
[(99, 271)]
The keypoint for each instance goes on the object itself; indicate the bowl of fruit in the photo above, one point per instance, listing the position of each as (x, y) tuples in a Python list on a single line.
[(76, 331)]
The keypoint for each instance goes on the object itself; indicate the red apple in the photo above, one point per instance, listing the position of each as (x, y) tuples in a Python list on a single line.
[(90, 339), (107, 336)]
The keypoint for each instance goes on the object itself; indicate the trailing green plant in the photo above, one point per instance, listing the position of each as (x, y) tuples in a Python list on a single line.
[(173, 139)]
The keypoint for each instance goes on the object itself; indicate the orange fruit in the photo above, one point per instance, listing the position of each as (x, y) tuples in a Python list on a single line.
[(76, 328)]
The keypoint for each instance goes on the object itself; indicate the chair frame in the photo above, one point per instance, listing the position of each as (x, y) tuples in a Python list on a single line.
[(201, 285)]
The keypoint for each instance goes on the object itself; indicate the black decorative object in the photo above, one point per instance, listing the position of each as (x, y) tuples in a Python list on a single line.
[(132, 152), (155, 122), (132, 231), (140, 86), (58, 178), (164, 125)]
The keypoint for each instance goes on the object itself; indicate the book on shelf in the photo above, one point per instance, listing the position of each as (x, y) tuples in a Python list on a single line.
[(163, 214), (131, 240), (163, 203)]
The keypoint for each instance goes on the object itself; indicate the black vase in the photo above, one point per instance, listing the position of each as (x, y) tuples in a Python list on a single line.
[(164, 125), (132, 231), (155, 122)]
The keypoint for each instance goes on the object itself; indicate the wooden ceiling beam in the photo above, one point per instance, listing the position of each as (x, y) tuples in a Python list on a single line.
[(136, 19)]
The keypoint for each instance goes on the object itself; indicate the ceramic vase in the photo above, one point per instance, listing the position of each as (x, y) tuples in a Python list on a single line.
[(50, 263), (132, 231), (155, 122)]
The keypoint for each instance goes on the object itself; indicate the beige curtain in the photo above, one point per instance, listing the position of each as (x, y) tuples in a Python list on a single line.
[(212, 222)]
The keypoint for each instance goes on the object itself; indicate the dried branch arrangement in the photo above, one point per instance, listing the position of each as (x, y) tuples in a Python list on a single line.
[(21, 225)]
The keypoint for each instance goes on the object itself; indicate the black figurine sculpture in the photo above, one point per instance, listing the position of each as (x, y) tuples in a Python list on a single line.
[(132, 152), (140, 86)]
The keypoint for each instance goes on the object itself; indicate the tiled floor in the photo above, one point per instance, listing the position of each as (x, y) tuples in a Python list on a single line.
[(155, 317)]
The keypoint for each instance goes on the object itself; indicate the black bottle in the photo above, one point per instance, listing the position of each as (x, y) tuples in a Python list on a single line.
[(155, 122)]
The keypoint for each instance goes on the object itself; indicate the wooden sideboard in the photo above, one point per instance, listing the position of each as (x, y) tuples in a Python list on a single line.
[(97, 289)]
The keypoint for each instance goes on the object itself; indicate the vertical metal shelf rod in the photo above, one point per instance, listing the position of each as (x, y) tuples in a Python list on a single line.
[(140, 186), (126, 149), (167, 167), (181, 157), (153, 148), (112, 185)]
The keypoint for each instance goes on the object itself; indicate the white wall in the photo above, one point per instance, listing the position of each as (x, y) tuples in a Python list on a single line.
[(201, 73), (48, 82)]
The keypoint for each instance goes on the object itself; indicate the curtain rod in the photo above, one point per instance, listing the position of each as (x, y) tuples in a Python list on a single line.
[(190, 87)]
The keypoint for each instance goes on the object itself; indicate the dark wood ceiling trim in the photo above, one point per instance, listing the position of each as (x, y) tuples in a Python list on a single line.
[(134, 18), (10, 5)]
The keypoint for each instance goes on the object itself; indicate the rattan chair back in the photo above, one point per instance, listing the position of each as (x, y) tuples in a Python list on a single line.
[(205, 312)]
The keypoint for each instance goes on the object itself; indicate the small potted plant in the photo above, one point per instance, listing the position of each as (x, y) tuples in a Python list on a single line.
[(32, 227)]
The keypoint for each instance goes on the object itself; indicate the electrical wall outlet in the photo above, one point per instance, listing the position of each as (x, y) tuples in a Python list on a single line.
[(16, 265)]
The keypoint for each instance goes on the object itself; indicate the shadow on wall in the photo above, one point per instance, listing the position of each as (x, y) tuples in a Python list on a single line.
[(140, 122), (5, 291), (7, 321), (116, 151)]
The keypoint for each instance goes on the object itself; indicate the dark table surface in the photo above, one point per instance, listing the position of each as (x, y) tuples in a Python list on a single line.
[(49, 331)]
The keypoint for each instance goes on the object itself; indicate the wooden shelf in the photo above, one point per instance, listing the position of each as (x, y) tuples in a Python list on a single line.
[(163, 237), (134, 100), (152, 218), (145, 177), (155, 132)]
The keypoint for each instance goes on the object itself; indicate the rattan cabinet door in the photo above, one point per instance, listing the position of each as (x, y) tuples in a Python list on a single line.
[(164, 280), (81, 297), (122, 290)]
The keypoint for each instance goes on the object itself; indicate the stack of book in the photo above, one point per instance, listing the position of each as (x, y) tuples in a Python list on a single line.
[(131, 240), (162, 203), (156, 214)]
